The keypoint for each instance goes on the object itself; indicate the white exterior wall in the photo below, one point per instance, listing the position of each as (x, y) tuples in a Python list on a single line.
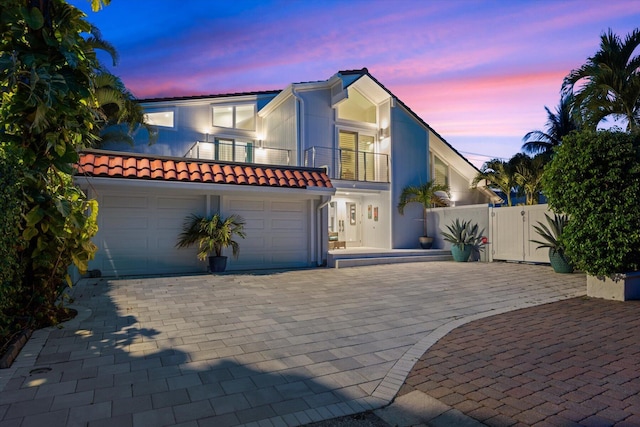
[(409, 166), (279, 129), (318, 119)]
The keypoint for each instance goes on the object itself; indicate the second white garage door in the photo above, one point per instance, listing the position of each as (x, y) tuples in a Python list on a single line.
[(277, 233), (138, 232)]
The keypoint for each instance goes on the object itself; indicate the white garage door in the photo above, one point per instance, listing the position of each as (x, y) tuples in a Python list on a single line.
[(277, 233), (138, 232)]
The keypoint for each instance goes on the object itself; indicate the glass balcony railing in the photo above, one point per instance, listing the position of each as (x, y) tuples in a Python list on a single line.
[(245, 152), (349, 164)]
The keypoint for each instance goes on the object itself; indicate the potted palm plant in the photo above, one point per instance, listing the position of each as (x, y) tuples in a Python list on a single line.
[(552, 239), (212, 234), (427, 195), (464, 238)]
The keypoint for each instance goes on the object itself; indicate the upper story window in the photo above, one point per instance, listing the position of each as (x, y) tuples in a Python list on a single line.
[(439, 171), (357, 108), (241, 117), (160, 118)]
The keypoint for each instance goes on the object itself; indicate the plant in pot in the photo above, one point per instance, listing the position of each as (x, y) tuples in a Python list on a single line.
[(552, 238), (212, 234), (464, 238), (427, 195)]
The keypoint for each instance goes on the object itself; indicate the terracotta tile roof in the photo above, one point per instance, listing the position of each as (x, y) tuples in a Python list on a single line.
[(134, 166)]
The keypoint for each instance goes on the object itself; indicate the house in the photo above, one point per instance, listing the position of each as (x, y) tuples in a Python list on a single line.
[(315, 158)]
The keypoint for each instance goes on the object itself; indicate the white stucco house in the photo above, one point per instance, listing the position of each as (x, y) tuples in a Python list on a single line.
[(315, 158)]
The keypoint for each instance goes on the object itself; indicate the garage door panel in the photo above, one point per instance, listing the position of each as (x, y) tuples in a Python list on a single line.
[(287, 224), (254, 224), (180, 203), (169, 243), (287, 207), (126, 202), (247, 205), (136, 241), (277, 233), (113, 219), (170, 224), (123, 265), (248, 244), (288, 256), (124, 243)]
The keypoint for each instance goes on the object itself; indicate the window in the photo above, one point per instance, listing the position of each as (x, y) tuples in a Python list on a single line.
[(235, 116), (228, 150), (439, 171), (356, 156), (160, 118), (357, 108)]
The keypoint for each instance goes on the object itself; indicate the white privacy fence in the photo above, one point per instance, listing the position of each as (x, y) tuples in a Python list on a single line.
[(509, 230)]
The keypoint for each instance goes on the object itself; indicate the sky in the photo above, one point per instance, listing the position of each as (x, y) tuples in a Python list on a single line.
[(478, 72)]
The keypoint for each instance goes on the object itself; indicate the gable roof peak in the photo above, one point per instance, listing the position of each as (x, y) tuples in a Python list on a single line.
[(361, 71)]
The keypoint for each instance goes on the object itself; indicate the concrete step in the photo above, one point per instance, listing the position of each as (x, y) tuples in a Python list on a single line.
[(342, 260), (358, 262)]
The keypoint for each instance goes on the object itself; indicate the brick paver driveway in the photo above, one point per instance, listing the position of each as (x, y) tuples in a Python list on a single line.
[(279, 348)]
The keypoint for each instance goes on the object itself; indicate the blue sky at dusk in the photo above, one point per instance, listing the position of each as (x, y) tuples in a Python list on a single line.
[(479, 72)]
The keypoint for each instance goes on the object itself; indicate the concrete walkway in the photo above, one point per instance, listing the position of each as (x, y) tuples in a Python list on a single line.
[(278, 349)]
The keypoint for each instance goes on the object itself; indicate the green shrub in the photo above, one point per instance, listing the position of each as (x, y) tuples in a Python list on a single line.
[(12, 290), (594, 177)]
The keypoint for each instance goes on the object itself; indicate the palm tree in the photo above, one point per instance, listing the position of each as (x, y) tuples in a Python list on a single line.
[(528, 174), (119, 114), (427, 195), (559, 125), (212, 234), (609, 82), (501, 174)]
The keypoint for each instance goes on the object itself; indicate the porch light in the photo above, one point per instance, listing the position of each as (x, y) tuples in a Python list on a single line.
[(383, 133), (259, 144)]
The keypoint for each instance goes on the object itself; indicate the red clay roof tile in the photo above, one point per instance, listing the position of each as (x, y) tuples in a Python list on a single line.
[(135, 166)]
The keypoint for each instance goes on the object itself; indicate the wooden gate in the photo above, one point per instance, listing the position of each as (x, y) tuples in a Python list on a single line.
[(512, 231)]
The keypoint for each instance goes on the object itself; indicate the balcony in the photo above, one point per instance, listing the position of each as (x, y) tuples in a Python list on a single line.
[(245, 152), (349, 165)]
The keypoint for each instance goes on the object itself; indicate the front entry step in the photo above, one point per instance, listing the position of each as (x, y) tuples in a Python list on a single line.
[(338, 259)]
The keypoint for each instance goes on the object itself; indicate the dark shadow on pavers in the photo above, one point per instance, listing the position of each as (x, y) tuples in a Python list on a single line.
[(87, 376)]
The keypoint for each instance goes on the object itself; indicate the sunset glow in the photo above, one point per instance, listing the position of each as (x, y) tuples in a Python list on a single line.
[(480, 73)]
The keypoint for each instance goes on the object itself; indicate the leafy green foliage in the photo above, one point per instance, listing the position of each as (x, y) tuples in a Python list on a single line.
[(594, 177), (212, 234), (608, 84), (500, 174), (425, 194), (559, 124), (12, 290), (49, 111)]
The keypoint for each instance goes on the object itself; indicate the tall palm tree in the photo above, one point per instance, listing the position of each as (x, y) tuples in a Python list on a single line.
[(425, 194), (559, 124), (609, 82), (528, 174), (499, 173)]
